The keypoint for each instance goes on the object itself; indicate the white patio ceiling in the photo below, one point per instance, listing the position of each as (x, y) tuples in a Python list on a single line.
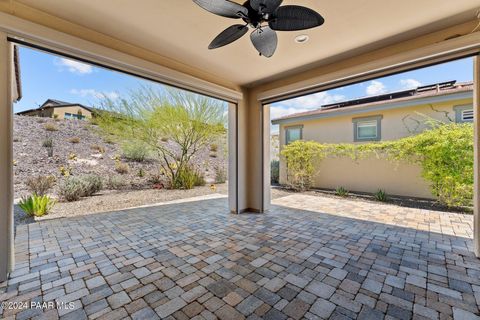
[(180, 30)]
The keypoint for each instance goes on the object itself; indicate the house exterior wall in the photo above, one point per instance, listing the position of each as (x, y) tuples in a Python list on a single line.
[(372, 174), (60, 111)]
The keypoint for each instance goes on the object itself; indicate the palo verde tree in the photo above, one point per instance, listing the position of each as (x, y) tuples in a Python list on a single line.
[(174, 124)]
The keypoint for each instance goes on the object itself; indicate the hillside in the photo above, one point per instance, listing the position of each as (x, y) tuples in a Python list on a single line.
[(78, 146)]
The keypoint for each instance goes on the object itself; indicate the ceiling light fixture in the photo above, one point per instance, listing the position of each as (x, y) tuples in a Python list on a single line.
[(302, 38)]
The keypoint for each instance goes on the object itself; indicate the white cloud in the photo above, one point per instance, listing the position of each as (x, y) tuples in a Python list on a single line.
[(312, 101), (95, 94), (410, 84), (74, 66), (376, 87)]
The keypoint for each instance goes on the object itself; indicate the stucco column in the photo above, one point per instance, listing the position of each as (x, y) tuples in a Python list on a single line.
[(6, 158), (476, 112), (253, 154), (232, 158)]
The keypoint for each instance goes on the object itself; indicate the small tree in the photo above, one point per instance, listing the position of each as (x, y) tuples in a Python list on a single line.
[(301, 158), (174, 124)]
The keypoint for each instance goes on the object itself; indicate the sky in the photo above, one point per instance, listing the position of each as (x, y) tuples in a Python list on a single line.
[(46, 76)]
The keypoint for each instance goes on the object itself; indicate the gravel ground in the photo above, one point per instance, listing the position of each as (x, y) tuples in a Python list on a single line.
[(118, 200), (30, 157)]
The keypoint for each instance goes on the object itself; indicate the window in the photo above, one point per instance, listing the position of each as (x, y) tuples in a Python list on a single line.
[(463, 113), (293, 134), (73, 116), (367, 129)]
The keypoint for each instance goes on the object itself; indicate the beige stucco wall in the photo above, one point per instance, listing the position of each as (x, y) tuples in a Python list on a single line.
[(372, 174), (60, 111), (73, 110)]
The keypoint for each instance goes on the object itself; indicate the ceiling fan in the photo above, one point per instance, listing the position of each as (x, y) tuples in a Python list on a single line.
[(264, 17)]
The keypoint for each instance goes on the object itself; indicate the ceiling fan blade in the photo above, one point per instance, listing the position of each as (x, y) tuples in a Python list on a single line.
[(265, 41), (224, 8), (228, 35), (267, 6), (292, 18)]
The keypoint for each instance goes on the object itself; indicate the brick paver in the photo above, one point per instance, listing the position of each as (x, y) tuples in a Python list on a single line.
[(309, 257)]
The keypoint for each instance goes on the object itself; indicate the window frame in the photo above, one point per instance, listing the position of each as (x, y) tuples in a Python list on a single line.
[(299, 127), (357, 123), (459, 110)]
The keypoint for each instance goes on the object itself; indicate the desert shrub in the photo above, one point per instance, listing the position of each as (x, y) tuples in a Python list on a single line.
[(47, 143), (137, 152), (50, 127), (381, 195), (72, 156), (275, 171), (187, 178), (65, 171), (213, 155), (141, 173), (220, 174), (37, 205), (122, 168), (341, 192), (98, 148), (115, 182), (214, 147), (74, 188), (74, 140), (189, 122), (301, 157), (91, 184), (71, 189), (55, 116), (40, 185)]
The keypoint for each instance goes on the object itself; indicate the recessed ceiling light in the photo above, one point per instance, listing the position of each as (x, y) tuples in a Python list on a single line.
[(302, 38)]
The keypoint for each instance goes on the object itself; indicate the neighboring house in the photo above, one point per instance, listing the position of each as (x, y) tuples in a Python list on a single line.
[(378, 118), (60, 110)]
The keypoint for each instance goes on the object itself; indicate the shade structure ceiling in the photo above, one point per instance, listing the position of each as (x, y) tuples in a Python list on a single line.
[(181, 30)]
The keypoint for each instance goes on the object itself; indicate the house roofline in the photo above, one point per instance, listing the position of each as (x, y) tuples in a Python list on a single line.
[(57, 106), (354, 110)]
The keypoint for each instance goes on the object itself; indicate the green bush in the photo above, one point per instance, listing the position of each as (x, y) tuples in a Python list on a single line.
[(37, 205), (40, 185), (444, 152), (275, 171), (91, 184), (301, 158), (341, 192), (187, 178), (136, 152), (71, 189), (115, 182), (381, 195), (74, 188)]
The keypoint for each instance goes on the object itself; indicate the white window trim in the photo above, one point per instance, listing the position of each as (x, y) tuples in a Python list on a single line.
[(299, 127), (460, 111), (369, 121)]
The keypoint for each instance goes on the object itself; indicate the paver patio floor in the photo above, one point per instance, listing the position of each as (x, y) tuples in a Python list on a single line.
[(319, 258)]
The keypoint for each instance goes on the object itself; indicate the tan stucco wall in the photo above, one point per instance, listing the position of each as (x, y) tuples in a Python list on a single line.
[(372, 174), (73, 110), (60, 111)]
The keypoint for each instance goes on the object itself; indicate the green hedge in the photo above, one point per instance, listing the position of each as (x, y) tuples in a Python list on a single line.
[(444, 152)]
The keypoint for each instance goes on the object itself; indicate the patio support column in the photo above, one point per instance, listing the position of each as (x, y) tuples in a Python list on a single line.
[(253, 154), (6, 158), (476, 108)]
